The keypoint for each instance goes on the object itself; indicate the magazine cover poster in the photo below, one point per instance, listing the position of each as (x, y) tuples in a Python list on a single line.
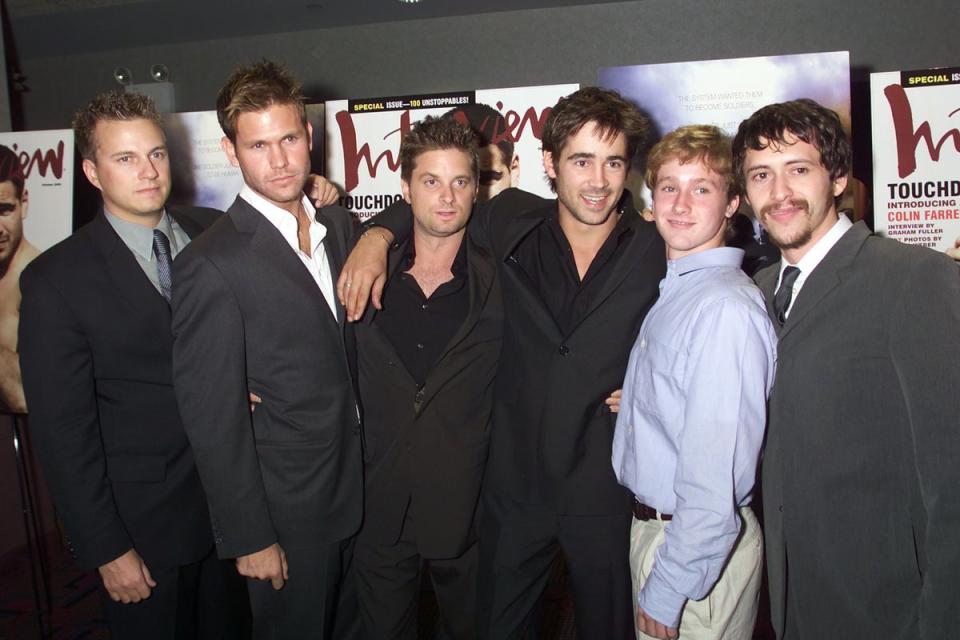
[(726, 92), (201, 174), (916, 156), (36, 212), (363, 140)]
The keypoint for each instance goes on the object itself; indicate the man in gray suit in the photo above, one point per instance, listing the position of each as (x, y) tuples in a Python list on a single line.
[(860, 474)]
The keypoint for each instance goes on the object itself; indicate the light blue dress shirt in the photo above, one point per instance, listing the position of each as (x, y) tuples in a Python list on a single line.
[(692, 419)]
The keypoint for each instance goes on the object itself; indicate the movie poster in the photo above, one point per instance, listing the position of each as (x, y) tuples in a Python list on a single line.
[(725, 92), (202, 176), (916, 156), (36, 212), (363, 140)]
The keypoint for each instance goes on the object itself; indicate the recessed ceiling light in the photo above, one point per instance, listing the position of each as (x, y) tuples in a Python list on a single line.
[(410, 1)]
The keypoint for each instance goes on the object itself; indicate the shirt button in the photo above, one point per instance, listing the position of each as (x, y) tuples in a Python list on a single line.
[(424, 306), (419, 345), (643, 343), (564, 350)]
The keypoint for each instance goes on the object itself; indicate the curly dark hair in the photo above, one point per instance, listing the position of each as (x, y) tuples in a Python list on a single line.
[(805, 119)]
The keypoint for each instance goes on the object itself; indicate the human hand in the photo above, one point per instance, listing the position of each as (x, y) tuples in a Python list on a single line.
[(365, 273), (613, 402), (651, 627), (321, 191), (127, 579), (266, 564)]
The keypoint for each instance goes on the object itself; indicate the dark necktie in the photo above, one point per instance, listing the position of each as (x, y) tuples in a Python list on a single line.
[(781, 300), (161, 249)]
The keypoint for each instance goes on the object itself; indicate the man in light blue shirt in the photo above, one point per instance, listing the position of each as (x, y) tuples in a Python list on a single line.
[(693, 409)]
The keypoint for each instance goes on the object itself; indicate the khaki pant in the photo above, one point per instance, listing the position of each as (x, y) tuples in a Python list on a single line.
[(730, 609)]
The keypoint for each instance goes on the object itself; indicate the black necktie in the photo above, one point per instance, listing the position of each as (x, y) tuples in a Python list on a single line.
[(161, 249), (781, 300)]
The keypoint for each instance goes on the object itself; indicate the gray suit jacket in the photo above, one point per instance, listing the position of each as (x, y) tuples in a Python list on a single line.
[(861, 481)]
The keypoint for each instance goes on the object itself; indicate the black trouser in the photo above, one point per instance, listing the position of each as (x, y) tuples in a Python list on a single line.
[(306, 606), (206, 600), (518, 544), (388, 586)]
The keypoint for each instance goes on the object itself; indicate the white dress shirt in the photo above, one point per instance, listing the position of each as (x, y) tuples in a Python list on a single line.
[(813, 257), (316, 263)]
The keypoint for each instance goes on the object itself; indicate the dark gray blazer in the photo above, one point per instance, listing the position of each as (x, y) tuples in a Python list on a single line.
[(861, 480), (248, 317), (95, 352)]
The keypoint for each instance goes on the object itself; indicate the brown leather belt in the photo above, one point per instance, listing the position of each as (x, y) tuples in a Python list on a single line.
[(644, 513)]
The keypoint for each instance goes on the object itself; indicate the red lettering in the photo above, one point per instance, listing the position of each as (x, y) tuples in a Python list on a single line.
[(352, 156), (908, 138)]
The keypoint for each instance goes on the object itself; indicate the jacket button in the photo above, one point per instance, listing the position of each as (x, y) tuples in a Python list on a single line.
[(564, 350), (780, 508)]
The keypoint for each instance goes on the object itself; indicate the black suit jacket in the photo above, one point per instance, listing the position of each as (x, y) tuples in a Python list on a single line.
[(552, 434), (429, 444), (861, 485), (95, 352), (248, 317)]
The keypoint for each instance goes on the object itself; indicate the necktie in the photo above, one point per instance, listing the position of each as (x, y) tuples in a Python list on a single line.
[(781, 300), (161, 249)]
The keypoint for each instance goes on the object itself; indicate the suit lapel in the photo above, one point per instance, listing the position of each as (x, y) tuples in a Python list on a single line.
[(267, 242), (480, 279), (825, 277), (335, 249), (130, 280)]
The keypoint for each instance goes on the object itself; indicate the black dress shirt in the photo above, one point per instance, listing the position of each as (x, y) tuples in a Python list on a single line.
[(547, 259), (419, 327)]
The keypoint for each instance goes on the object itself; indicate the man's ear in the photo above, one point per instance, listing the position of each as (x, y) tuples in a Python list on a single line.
[(309, 136), (405, 190), (548, 165), (90, 170), (229, 149), (515, 171), (24, 202), (732, 207), (839, 185)]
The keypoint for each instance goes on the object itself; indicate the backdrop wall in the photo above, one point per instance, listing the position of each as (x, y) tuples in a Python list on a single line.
[(516, 48)]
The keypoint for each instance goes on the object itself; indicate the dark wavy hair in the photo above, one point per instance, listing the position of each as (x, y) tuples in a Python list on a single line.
[(432, 134), (608, 109)]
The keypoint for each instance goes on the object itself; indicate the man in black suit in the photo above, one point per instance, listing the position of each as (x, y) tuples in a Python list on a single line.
[(860, 474), (95, 350), (578, 276), (254, 312), (426, 367)]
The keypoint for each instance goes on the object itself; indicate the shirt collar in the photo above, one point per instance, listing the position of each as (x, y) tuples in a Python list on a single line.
[(140, 237), (818, 251), (285, 223), (716, 257)]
